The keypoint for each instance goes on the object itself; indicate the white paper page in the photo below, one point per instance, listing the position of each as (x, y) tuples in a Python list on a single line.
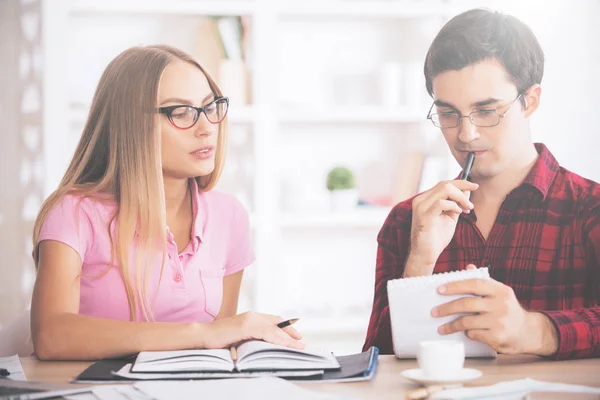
[(13, 365), (158, 356), (248, 389), (255, 345), (280, 357), (77, 391), (149, 376), (184, 360), (121, 392), (411, 301), (111, 392), (512, 390)]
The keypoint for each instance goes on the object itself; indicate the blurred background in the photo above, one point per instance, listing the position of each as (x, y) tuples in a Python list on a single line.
[(327, 125)]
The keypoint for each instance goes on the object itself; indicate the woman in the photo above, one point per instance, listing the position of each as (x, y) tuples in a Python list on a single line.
[(134, 250)]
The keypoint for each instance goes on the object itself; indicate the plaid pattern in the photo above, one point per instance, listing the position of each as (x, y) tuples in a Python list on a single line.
[(545, 244)]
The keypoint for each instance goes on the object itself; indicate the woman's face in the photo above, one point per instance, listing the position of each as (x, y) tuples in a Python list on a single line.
[(186, 152)]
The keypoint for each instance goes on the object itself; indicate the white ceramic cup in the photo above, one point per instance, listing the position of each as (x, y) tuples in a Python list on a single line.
[(441, 359)]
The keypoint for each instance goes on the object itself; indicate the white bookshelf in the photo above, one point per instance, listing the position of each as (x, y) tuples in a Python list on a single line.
[(285, 136), (160, 7), (349, 115), (363, 9), (336, 9), (370, 219), (340, 324)]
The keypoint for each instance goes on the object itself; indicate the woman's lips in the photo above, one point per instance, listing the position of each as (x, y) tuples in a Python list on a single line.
[(203, 153)]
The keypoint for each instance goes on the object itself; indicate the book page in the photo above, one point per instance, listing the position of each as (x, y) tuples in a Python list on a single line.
[(125, 372), (13, 365), (256, 346), (183, 360), (257, 354)]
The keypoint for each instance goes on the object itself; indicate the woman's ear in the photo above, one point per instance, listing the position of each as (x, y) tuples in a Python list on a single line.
[(532, 99)]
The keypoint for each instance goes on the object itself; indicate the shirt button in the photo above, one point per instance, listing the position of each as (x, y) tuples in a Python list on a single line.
[(178, 278)]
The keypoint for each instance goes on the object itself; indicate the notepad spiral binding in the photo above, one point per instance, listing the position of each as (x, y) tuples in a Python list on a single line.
[(437, 279)]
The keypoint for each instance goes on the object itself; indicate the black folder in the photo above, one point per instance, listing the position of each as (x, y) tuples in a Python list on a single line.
[(354, 367)]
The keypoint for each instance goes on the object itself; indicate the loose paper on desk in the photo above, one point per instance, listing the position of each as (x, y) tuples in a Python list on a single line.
[(265, 388), (13, 365), (119, 392), (513, 390), (111, 392)]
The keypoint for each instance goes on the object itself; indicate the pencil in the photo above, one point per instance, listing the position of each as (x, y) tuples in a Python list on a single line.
[(233, 353), (423, 393), (287, 323)]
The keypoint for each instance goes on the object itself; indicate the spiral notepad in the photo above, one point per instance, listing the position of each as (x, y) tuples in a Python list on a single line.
[(411, 301)]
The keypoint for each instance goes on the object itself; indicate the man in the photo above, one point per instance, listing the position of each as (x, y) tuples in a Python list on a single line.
[(534, 224)]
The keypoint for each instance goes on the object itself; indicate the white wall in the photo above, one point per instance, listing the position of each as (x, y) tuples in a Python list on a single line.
[(567, 120)]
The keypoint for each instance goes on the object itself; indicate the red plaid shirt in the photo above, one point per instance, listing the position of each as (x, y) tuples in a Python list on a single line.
[(545, 244)]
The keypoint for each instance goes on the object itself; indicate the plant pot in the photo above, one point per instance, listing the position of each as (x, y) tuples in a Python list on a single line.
[(344, 200)]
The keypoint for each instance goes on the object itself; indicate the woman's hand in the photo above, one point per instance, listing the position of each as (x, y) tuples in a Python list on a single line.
[(247, 326)]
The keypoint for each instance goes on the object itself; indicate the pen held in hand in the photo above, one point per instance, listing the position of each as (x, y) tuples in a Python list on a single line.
[(464, 175), (287, 323), (283, 324)]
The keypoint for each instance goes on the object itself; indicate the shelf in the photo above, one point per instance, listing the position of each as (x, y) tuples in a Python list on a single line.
[(358, 114), (244, 114), (187, 7), (365, 9), (240, 115), (335, 8), (368, 218), (349, 324)]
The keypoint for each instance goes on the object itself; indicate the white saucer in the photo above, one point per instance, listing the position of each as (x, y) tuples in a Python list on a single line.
[(465, 375)]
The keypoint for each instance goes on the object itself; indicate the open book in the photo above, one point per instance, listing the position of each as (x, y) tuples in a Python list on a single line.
[(253, 355), (411, 301)]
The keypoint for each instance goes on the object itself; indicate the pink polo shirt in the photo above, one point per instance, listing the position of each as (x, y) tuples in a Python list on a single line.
[(191, 288)]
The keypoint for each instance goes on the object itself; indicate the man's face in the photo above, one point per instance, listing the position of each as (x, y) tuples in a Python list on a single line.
[(483, 87)]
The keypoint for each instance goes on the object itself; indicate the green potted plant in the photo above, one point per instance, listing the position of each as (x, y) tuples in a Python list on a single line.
[(342, 187)]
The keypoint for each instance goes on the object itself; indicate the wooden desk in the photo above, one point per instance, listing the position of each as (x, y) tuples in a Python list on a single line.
[(389, 383)]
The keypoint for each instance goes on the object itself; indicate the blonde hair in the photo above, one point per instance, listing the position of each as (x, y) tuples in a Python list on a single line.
[(119, 155)]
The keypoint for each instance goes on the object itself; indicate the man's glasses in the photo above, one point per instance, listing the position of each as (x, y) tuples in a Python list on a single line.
[(481, 118), (184, 117)]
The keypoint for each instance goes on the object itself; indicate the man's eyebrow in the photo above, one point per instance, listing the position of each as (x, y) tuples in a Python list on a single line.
[(480, 103), (441, 103), (485, 102), (186, 102)]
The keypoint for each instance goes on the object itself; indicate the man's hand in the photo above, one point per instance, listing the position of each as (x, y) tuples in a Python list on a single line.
[(498, 319), (434, 217)]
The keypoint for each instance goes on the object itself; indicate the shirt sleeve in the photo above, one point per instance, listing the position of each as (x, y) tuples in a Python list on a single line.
[(240, 252), (69, 223), (392, 251), (579, 330)]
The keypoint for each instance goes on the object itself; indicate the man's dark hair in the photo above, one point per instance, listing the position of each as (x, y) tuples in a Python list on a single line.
[(480, 34)]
